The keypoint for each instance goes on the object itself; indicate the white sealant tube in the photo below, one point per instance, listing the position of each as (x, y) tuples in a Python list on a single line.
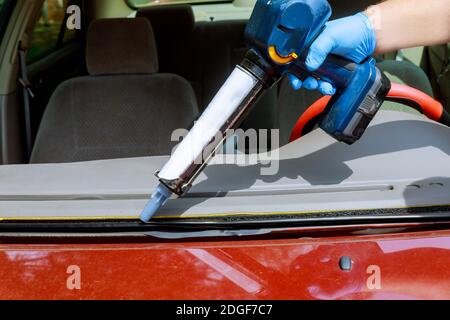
[(238, 86)]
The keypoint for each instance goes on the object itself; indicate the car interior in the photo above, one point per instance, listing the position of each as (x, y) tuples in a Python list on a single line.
[(137, 70), (105, 86)]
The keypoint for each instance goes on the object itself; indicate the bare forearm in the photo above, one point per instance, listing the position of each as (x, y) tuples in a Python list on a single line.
[(410, 23)]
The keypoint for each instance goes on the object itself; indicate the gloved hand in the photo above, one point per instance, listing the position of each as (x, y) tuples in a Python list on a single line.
[(351, 37)]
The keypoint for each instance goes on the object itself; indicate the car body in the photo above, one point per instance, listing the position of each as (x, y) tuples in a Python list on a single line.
[(369, 221), (404, 264)]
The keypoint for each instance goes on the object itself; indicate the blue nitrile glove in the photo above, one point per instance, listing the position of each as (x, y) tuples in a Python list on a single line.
[(351, 37)]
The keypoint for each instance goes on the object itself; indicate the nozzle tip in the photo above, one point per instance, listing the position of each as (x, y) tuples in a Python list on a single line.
[(159, 198), (150, 210)]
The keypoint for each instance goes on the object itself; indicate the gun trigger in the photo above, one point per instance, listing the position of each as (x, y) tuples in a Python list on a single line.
[(277, 58)]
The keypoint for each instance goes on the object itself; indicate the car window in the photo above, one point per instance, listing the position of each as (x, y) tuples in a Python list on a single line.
[(50, 32)]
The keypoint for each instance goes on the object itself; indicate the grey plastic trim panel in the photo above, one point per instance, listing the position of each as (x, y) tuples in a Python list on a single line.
[(402, 161)]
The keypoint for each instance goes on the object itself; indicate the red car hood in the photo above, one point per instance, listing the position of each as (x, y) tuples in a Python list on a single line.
[(402, 266)]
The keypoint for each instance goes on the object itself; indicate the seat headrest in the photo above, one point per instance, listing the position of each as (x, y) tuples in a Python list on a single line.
[(121, 46), (170, 19)]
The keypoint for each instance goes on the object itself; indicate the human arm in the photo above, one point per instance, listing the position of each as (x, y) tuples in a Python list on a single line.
[(388, 26)]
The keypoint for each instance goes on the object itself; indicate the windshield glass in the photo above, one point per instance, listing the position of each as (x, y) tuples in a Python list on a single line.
[(313, 176)]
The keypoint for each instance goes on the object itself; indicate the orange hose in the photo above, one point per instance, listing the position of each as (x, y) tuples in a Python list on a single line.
[(431, 108), (313, 111)]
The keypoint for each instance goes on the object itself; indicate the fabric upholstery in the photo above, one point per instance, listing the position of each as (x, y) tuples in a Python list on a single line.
[(121, 46), (405, 72), (436, 63), (292, 104), (106, 117), (169, 19), (179, 47)]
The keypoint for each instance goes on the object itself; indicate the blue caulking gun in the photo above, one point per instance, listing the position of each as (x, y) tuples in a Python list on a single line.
[(279, 34)]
